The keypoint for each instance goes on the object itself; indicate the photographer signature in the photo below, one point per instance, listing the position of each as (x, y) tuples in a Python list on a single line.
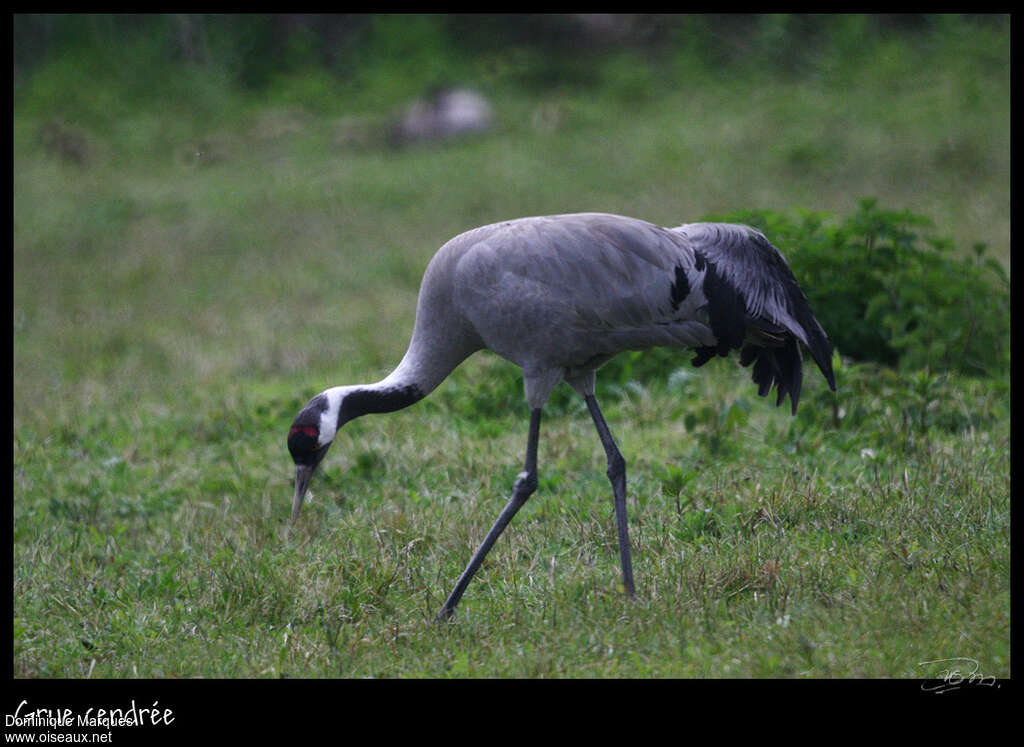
[(957, 672)]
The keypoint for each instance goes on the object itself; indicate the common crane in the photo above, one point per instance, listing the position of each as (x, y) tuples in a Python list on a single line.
[(561, 295)]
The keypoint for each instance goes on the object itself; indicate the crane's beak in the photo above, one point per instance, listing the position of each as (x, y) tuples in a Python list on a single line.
[(303, 472), (304, 469)]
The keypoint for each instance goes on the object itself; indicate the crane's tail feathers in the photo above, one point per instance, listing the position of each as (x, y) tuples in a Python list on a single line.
[(821, 352), (756, 306), (776, 358), (801, 325), (780, 367), (817, 343)]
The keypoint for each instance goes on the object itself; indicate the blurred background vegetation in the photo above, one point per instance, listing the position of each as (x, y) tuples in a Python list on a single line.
[(208, 196)]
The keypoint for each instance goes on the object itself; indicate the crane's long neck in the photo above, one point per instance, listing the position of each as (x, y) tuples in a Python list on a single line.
[(410, 382), (426, 363), (441, 340)]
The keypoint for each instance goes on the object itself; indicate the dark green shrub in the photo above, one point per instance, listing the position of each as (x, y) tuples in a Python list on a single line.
[(886, 292)]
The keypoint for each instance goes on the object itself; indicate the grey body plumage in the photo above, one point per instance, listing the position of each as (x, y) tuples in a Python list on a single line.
[(561, 295)]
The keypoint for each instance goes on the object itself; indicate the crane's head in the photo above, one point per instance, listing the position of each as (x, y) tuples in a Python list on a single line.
[(310, 436)]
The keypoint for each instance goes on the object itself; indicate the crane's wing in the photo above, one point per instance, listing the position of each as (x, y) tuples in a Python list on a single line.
[(753, 301), (574, 290), (571, 291)]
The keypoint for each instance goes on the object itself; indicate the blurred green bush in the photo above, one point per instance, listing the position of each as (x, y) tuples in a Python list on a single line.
[(885, 291)]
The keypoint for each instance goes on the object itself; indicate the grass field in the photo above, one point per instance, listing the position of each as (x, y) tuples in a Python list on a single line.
[(173, 311)]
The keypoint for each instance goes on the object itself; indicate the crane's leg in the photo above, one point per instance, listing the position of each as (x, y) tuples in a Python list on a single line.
[(524, 487), (617, 476)]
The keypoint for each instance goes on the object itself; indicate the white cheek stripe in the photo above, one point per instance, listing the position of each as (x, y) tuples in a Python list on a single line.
[(329, 418)]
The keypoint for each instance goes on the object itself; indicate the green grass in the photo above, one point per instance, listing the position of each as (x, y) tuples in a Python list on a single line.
[(154, 542), (172, 313)]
